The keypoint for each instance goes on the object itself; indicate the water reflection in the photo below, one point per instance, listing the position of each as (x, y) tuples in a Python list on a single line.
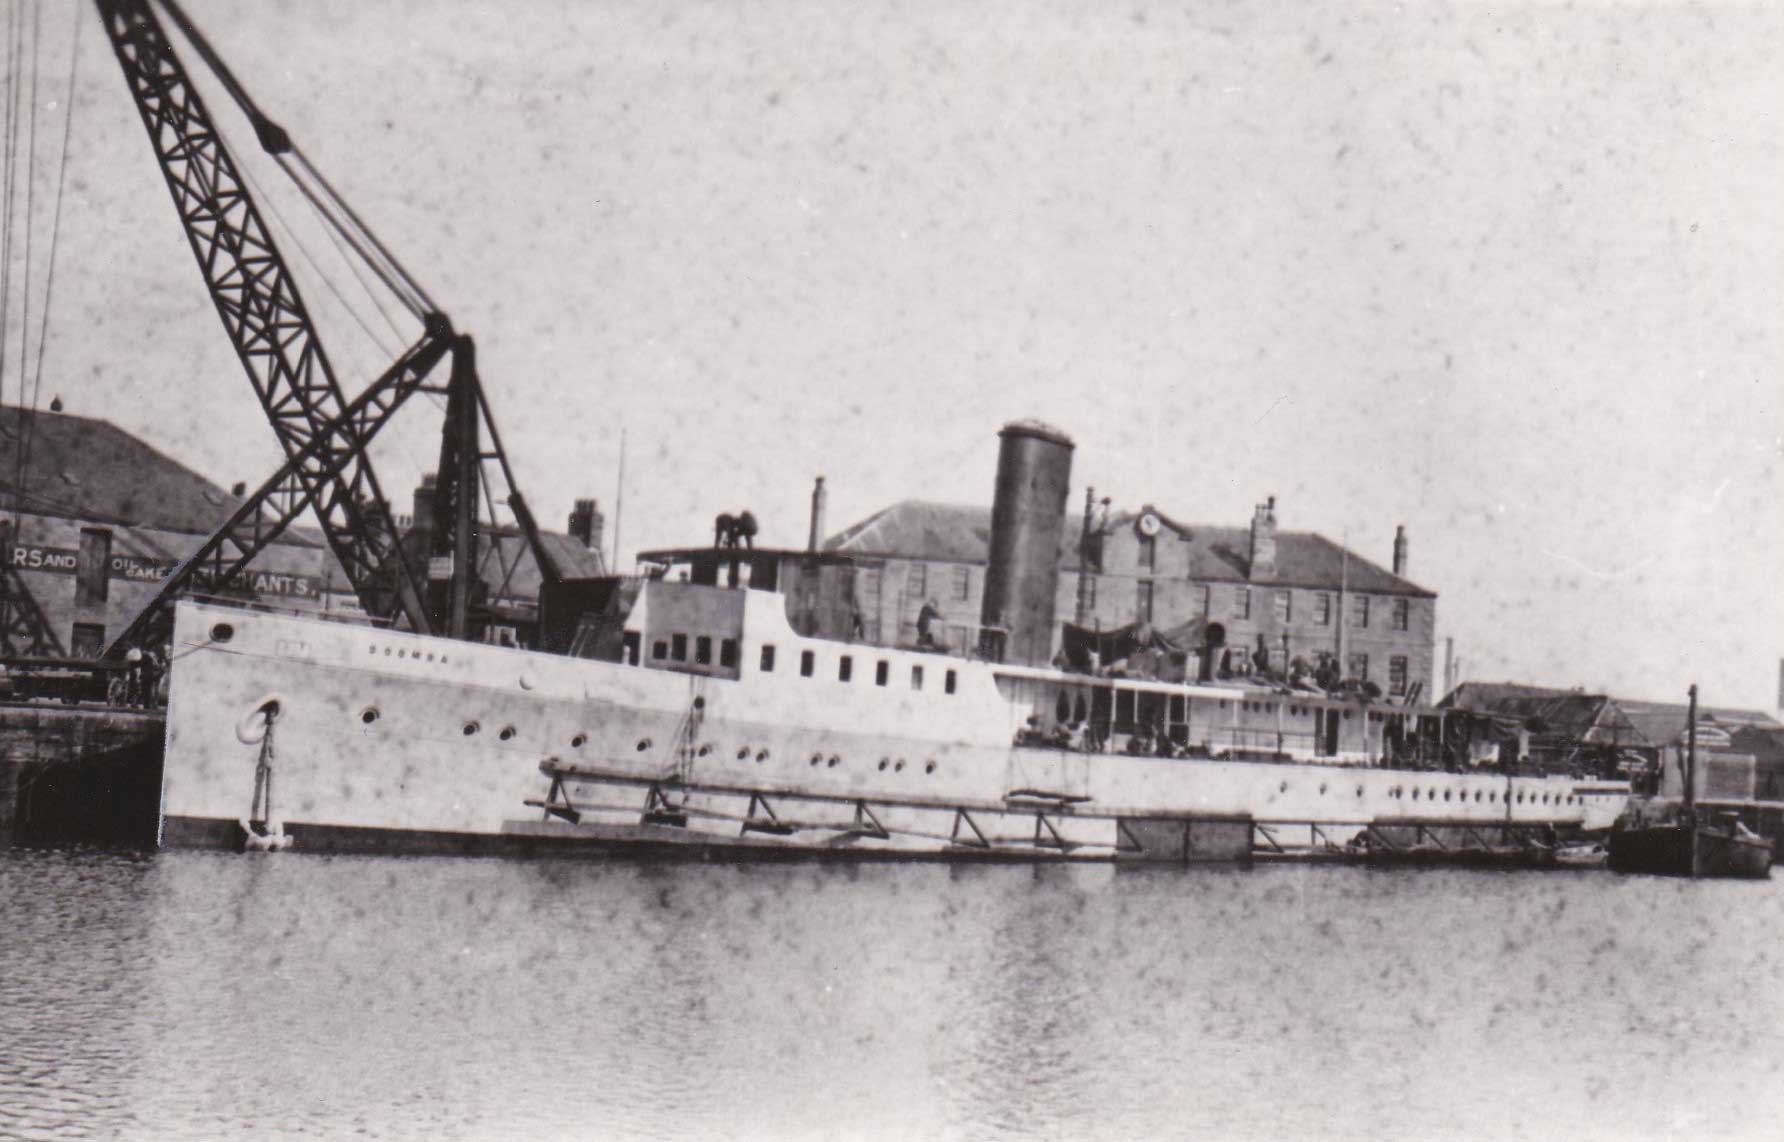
[(203, 995)]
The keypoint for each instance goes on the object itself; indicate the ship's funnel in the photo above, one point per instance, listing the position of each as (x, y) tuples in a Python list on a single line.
[(1034, 471)]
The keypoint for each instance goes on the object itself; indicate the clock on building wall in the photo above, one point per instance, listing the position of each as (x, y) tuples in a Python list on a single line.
[(1147, 524)]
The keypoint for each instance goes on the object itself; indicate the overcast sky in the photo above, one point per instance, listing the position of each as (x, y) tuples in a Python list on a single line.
[(1509, 275)]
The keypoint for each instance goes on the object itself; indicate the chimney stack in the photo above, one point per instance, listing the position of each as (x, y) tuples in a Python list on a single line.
[(818, 498), (1263, 540), (424, 503), (587, 524), (1400, 550)]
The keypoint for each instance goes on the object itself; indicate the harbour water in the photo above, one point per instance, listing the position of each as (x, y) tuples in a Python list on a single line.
[(199, 995)]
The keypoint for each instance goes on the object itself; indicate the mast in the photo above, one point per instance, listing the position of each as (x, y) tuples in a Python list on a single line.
[(1691, 752)]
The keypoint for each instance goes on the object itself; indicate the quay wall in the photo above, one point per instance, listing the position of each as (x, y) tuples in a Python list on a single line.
[(79, 773)]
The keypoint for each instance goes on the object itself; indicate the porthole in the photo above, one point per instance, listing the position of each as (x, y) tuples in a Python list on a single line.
[(1282, 788), (507, 733), (1520, 798), (387, 652), (1322, 789), (1477, 795), (369, 715), (816, 758), (1431, 794), (743, 754), (883, 764), (1492, 798), (371, 650), (471, 728), (929, 768), (643, 744), (578, 741), (222, 632), (1415, 794), (1359, 791), (704, 749), (401, 653), (762, 756), (833, 761), (699, 703), (898, 766)]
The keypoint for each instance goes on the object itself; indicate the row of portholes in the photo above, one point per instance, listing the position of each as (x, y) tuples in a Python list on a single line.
[(371, 714), (402, 652), (1492, 796)]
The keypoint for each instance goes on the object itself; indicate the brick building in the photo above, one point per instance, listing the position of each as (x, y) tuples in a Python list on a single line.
[(1240, 595), (92, 518)]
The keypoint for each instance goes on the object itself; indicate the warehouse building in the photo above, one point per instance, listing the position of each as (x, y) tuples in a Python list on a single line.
[(1235, 600), (92, 518)]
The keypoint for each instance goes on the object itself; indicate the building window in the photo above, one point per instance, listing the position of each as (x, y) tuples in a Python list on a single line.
[(1148, 553), (917, 581), (882, 670), (916, 678), (92, 569), (1285, 604), (1242, 602), (963, 582), (768, 658), (1402, 613), (1359, 667), (1322, 609), (678, 647), (1143, 601), (845, 668), (1359, 611), (703, 650), (1397, 674), (807, 661), (659, 650), (88, 640), (728, 653), (948, 682)]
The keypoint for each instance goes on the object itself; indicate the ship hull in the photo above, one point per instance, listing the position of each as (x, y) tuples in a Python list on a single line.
[(1680, 850), (387, 742)]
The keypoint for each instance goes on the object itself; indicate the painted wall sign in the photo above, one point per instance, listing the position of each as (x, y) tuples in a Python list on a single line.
[(63, 561)]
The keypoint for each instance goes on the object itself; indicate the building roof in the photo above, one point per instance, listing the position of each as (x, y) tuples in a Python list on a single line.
[(84, 468), (961, 533), (1624, 720)]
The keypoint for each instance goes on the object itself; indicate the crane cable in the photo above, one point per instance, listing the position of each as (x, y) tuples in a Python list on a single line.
[(298, 167), (30, 99), (13, 39), (49, 284)]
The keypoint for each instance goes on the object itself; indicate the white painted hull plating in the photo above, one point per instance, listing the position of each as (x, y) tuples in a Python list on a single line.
[(383, 735)]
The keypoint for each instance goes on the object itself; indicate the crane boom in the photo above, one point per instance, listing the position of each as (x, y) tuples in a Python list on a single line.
[(262, 310)]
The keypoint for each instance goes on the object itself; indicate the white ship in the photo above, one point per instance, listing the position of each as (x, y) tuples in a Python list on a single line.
[(732, 730), (710, 722)]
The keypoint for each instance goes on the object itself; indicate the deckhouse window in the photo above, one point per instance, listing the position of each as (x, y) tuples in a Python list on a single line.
[(916, 678), (882, 670), (768, 658), (845, 668), (703, 650), (659, 650), (807, 661), (728, 653), (678, 647), (948, 682)]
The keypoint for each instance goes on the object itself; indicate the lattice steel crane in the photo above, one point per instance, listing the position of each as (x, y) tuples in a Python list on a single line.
[(324, 435)]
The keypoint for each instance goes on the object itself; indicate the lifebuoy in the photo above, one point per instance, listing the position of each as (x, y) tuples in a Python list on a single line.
[(250, 728)]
